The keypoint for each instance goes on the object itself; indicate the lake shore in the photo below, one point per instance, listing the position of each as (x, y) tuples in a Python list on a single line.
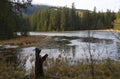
[(63, 64), (102, 30), (27, 41), (107, 30), (40, 40)]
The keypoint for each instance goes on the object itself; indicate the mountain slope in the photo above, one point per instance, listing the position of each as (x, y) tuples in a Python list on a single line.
[(35, 8)]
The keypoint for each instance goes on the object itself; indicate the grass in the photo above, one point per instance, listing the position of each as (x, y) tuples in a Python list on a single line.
[(62, 68), (27, 41), (9, 71)]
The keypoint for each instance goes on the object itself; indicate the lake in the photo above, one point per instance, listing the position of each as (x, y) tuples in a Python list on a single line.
[(75, 45)]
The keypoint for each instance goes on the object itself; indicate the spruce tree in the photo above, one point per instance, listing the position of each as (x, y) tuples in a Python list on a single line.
[(10, 16), (117, 21)]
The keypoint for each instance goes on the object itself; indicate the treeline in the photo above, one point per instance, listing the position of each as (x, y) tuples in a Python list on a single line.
[(66, 19), (11, 19)]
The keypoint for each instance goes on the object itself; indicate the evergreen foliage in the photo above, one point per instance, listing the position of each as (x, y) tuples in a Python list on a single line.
[(117, 21), (11, 20), (66, 19)]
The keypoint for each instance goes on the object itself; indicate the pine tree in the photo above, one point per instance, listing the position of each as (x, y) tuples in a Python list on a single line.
[(10, 16), (117, 21), (63, 21)]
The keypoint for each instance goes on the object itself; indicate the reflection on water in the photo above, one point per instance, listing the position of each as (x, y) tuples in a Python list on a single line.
[(75, 49), (74, 46)]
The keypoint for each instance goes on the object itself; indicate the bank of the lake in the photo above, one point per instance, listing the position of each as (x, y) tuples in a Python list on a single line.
[(34, 40), (68, 57), (28, 41), (108, 30)]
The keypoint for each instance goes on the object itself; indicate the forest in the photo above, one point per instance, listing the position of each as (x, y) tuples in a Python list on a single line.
[(75, 54), (69, 19), (13, 20)]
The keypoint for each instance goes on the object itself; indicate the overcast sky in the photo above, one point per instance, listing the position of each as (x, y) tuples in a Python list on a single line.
[(101, 5)]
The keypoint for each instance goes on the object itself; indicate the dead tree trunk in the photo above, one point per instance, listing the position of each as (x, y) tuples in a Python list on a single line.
[(39, 63)]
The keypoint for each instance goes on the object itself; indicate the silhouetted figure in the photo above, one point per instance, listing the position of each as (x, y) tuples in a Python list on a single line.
[(39, 63)]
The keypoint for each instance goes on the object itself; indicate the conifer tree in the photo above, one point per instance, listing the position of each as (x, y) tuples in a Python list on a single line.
[(10, 17), (117, 21)]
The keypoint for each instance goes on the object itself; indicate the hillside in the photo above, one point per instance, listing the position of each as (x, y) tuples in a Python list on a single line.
[(35, 8)]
